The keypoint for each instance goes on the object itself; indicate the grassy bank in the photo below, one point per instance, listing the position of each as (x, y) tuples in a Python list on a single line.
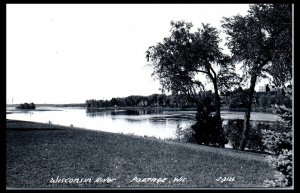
[(37, 152)]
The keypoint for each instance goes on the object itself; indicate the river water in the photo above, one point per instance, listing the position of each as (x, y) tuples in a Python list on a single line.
[(156, 123)]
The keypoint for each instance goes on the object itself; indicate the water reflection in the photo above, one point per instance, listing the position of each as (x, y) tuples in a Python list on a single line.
[(142, 122), (142, 115), (133, 120), (158, 120), (133, 112), (97, 112)]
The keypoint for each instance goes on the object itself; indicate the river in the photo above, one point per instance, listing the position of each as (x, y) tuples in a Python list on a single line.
[(156, 123)]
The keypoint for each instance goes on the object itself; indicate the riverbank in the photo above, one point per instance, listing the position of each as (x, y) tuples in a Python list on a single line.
[(52, 156)]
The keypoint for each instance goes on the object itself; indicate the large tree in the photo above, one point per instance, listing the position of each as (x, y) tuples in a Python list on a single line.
[(182, 56), (262, 41)]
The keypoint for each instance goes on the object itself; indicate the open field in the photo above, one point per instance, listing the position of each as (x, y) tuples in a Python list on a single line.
[(37, 152)]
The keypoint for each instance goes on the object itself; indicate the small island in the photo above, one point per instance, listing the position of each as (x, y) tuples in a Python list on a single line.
[(26, 106)]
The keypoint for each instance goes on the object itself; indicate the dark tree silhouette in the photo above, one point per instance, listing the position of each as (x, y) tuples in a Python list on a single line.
[(262, 41), (183, 55)]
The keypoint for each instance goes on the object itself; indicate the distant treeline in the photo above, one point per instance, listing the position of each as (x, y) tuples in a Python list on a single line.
[(154, 100), (231, 100), (261, 100)]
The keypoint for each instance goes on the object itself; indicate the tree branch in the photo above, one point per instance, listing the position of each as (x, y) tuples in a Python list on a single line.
[(215, 75)]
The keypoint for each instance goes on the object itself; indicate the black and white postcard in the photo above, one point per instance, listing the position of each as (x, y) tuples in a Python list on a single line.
[(149, 96)]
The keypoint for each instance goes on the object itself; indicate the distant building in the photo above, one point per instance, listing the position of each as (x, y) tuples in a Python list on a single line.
[(262, 89), (266, 88)]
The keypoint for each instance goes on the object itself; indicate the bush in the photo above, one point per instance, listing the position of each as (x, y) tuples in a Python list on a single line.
[(26, 106), (281, 136), (207, 129), (185, 135), (254, 141), (283, 164), (274, 142), (286, 114), (281, 145), (233, 132), (279, 127)]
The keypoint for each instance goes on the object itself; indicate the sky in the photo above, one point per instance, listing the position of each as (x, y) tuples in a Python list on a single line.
[(68, 53)]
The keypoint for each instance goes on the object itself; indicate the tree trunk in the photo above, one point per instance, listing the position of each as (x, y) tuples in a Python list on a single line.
[(217, 101), (247, 113), (218, 113)]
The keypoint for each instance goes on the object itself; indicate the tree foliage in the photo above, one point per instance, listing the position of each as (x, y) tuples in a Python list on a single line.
[(262, 41), (183, 55)]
